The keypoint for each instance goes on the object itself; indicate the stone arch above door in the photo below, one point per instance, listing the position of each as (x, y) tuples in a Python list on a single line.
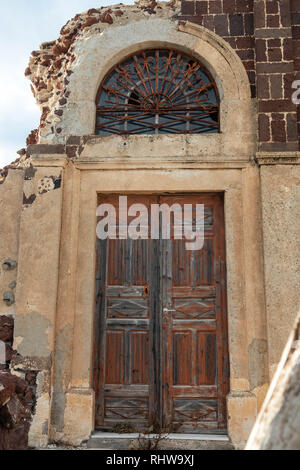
[(95, 54)]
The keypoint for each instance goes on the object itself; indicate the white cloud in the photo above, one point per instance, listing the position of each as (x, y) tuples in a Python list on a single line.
[(8, 153)]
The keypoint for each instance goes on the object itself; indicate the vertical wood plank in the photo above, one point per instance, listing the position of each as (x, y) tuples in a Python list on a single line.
[(167, 353), (221, 313), (100, 328), (155, 333)]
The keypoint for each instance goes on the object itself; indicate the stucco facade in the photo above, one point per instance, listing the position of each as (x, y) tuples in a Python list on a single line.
[(50, 202)]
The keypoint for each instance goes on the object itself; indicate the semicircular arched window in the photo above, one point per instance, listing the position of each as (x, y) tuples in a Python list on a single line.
[(158, 91)]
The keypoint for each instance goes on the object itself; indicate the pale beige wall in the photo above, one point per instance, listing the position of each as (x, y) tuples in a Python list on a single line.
[(11, 199), (36, 293), (280, 188)]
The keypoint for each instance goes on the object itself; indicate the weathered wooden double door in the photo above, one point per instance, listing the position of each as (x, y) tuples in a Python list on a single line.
[(161, 327)]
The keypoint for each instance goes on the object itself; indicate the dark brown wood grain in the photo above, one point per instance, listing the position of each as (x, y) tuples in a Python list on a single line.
[(161, 353)]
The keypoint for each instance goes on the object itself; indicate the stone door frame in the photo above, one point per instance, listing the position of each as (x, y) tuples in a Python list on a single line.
[(245, 292)]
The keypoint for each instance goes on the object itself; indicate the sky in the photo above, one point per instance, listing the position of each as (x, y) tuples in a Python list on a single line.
[(25, 25)]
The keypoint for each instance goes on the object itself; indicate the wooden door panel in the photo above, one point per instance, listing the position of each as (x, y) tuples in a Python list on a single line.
[(188, 293), (194, 308), (195, 410), (115, 350), (194, 350), (205, 325), (194, 415), (124, 408), (182, 358), (194, 315), (162, 336), (206, 357), (192, 268), (127, 308), (125, 393), (195, 391), (125, 291), (139, 357), (128, 263)]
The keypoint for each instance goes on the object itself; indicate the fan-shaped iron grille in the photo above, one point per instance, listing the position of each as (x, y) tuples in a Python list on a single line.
[(158, 92)]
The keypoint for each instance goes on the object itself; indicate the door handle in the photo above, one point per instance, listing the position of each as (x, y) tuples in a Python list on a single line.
[(146, 290), (168, 310)]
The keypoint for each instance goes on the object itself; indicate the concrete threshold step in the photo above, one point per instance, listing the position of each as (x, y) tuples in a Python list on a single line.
[(135, 441)]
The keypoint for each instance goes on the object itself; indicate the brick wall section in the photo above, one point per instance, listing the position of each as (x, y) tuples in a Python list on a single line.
[(266, 36), (277, 115), (230, 19), (295, 15)]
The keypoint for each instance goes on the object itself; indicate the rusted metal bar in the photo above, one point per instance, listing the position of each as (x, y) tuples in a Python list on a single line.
[(146, 91)]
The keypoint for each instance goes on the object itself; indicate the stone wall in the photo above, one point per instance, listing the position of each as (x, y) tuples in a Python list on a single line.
[(233, 20), (29, 199), (15, 412), (17, 392), (36, 294), (11, 195), (265, 34)]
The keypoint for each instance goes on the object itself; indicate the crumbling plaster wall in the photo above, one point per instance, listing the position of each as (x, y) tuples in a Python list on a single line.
[(50, 68), (11, 196), (37, 288), (29, 248), (31, 198), (18, 401)]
